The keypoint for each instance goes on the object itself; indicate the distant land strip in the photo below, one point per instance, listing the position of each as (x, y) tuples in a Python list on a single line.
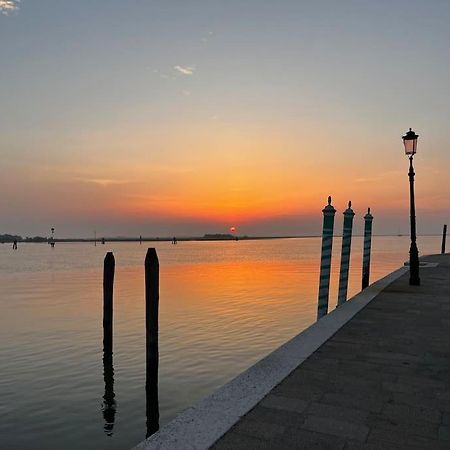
[(6, 238), (9, 238)]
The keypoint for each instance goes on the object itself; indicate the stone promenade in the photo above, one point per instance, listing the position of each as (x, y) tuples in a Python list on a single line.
[(381, 382)]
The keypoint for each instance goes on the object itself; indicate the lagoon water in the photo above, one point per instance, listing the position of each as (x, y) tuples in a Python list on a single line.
[(223, 306)]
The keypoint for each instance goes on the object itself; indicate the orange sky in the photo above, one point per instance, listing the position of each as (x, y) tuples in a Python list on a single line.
[(235, 115)]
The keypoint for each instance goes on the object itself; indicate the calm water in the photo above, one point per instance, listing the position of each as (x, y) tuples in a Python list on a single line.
[(223, 306)]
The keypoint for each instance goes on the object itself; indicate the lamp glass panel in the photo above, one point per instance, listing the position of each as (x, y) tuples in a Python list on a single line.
[(410, 146)]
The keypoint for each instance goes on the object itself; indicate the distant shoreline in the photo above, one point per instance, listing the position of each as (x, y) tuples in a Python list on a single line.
[(163, 239), (185, 239)]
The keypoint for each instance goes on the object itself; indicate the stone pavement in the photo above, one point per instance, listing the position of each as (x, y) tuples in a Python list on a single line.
[(381, 382)]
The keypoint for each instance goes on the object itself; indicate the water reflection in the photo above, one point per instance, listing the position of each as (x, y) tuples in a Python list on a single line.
[(151, 389), (109, 406), (264, 292)]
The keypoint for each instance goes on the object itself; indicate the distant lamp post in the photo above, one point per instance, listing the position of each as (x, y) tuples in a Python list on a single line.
[(52, 243), (410, 143)]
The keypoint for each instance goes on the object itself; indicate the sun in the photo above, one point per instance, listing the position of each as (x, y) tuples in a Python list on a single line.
[(232, 229)]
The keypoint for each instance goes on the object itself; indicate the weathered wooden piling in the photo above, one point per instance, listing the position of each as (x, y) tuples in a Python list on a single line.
[(152, 353), (368, 218), (325, 261), (109, 403), (108, 288), (444, 237), (345, 254)]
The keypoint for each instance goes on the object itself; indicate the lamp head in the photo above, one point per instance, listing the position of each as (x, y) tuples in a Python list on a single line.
[(410, 142)]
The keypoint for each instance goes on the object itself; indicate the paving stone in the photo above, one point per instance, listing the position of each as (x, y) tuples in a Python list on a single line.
[(374, 445), (405, 441), (407, 413), (276, 416), (444, 433), (421, 382), (237, 441), (337, 412), (284, 403), (372, 403), (421, 398), (446, 418), (390, 428), (306, 392), (336, 427), (297, 439), (259, 429)]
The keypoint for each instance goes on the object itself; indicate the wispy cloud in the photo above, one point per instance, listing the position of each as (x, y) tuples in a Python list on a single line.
[(9, 6), (185, 70), (207, 37), (105, 182), (376, 178)]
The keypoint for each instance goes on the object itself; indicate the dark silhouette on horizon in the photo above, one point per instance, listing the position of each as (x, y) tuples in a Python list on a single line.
[(151, 391)]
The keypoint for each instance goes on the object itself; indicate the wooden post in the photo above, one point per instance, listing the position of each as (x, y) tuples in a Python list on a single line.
[(108, 288), (345, 254), (152, 354), (109, 403), (325, 261), (444, 236), (368, 218)]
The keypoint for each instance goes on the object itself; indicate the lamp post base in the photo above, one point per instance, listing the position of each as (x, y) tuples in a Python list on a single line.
[(414, 279)]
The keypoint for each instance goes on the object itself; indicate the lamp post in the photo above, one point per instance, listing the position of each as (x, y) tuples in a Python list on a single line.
[(410, 143)]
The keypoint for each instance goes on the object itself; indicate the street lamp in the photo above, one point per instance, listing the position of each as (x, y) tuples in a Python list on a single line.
[(410, 143)]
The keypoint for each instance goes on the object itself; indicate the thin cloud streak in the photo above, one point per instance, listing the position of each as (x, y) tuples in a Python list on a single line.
[(104, 182), (185, 70)]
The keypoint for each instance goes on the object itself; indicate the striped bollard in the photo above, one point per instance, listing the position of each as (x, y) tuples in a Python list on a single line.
[(325, 261), (368, 218), (345, 254)]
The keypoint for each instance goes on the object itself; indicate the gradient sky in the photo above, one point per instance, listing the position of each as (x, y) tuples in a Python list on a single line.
[(186, 117)]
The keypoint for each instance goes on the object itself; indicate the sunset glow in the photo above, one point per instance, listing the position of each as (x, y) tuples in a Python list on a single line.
[(119, 136)]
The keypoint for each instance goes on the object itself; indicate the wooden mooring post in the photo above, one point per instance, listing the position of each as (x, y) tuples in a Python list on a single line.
[(368, 218), (325, 261), (109, 402), (444, 237), (108, 288), (152, 353), (345, 254)]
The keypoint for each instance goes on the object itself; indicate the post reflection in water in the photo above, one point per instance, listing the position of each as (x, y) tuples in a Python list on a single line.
[(151, 390), (109, 406)]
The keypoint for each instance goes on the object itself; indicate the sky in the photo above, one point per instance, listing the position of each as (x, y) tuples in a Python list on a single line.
[(155, 118)]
